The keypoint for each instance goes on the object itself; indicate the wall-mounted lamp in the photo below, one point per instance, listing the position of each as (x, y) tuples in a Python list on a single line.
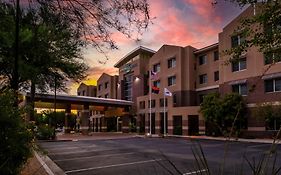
[(137, 79)]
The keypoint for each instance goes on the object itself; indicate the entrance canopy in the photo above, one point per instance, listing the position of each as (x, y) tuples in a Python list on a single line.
[(76, 102)]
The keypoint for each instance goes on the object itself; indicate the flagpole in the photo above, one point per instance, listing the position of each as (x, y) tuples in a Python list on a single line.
[(164, 113), (150, 102)]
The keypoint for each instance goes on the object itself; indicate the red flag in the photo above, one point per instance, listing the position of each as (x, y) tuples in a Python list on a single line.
[(155, 90)]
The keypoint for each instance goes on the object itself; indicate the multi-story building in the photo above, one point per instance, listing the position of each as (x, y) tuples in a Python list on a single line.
[(184, 71), (191, 73), (87, 90), (249, 76), (107, 86)]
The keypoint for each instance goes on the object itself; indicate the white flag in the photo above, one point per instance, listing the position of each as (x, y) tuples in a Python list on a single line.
[(167, 92)]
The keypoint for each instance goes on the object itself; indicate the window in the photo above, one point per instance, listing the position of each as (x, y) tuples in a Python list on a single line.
[(142, 104), (201, 98), (106, 85), (128, 78), (239, 65), (83, 93), (156, 67), (203, 78), (237, 40), (240, 89), (171, 80), (99, 87), (175, 99), (270, 58), (78, 93), (152, 103), (156, 83), (162, 102), (106, 96), (216, 76), (172, 62), (272, 85), (202, 59), (216, 55)]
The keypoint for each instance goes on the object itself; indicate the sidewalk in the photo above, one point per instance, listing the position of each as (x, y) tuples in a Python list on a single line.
[(95, 136), (114, 135), (270, 141)]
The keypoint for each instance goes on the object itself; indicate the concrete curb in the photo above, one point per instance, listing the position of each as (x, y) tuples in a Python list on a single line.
[(50, 167), (268, 141)]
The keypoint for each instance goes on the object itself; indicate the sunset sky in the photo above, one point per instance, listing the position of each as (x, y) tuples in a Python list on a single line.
[(176, 22)]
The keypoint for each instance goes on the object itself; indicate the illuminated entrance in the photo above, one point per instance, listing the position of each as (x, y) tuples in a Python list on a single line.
[(92, 111)]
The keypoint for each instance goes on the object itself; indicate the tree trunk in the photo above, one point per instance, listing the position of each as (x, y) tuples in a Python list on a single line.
[(15, 79), (32, 100)]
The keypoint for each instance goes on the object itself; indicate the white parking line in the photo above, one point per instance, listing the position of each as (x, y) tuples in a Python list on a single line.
[(88, 157), (109, 166), (80, 151), (73, 147), (195, 172)]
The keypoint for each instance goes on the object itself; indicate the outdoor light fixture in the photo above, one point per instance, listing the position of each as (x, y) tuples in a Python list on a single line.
[(137, 79)]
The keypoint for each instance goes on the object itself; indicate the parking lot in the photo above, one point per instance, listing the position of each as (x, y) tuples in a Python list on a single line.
[(150, 156)]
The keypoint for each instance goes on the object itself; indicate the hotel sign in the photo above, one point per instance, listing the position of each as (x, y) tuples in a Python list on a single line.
[(128, 67)]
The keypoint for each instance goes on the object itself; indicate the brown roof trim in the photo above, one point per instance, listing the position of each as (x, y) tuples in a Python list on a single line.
[(131, 54), (206, 48)]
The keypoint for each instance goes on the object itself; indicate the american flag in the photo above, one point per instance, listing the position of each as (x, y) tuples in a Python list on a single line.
[(153, 75)]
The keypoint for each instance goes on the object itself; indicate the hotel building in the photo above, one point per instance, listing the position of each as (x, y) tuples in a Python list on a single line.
[(190, 73)]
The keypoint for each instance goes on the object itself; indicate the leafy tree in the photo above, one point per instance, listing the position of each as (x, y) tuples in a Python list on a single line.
[(16, 140), (271, 113), (261, 30), (221, 113), (94, 20), (50, 51)]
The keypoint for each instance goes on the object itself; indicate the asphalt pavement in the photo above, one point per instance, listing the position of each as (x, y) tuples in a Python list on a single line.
[(161, 156)]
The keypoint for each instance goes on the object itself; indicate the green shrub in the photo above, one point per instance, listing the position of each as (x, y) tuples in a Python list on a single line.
[(16, 139), (45, 132), (177, 130)]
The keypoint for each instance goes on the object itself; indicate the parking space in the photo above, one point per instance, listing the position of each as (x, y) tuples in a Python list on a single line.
[(146, 156)]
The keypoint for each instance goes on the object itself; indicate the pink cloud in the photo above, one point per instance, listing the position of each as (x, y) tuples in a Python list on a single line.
[(205, 10), (96, 71), (177, 24)]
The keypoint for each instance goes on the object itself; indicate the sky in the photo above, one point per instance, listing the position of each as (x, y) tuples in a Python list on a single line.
[(175, 22)]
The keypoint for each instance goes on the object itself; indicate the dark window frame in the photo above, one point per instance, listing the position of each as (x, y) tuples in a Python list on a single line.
[(172, 80), (172, 62), (238, 65), (216, 76), (237, 88), (202, 59), (273, 85), (156, 67), (216, 55), (156, 82), (237, 40), (106, 85), (161, 102), (201, 79)]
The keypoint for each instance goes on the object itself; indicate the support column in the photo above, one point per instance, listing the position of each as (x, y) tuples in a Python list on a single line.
[(85, 119), (67, 116), (157, 123), (202, 127), (184, 125), (103, 124), (125, 123), (147, 123)]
